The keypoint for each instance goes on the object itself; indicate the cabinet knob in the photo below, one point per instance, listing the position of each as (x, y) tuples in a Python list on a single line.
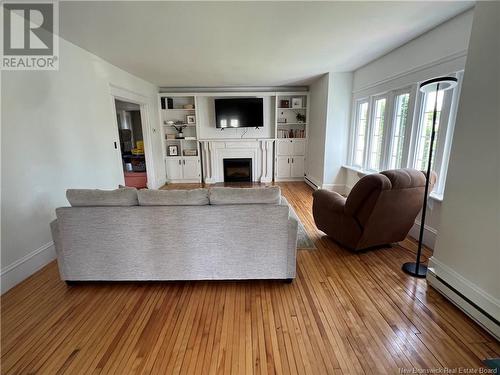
[(179, 162), (288, 161)]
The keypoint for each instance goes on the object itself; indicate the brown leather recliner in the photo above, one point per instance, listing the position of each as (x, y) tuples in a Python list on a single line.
[(380, 209)]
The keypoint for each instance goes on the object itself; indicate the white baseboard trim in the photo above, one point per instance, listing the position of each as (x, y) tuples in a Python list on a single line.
[(312, 182), (21, 269), (430, 234), (467, 296)]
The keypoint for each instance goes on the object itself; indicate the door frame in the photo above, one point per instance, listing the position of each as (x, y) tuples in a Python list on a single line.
[(144, 102)]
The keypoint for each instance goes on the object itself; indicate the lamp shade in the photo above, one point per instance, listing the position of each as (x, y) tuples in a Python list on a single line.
[(440, 83)]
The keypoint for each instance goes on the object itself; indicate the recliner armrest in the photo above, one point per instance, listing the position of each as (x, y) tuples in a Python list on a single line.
[(330, 200)]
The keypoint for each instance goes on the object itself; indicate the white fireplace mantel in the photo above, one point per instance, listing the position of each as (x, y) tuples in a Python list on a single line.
[(215, 151)]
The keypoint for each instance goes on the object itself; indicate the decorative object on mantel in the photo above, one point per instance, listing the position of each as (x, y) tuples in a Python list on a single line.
[(190, 152), (188, 106), (191, 119), (285, 103), (170, 136), (297, 103), (179, 126), (173, 150), (428, 87), (300, 118)]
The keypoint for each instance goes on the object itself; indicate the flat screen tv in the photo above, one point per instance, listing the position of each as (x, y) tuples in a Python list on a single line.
[(239, 113)]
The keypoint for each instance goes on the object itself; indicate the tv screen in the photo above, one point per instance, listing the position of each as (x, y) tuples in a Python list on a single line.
[(239, 112)]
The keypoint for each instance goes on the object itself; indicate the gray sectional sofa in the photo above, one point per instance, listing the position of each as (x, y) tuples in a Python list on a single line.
[(200, 234)]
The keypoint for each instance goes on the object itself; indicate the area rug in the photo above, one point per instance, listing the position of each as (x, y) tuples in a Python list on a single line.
[(304, 242)]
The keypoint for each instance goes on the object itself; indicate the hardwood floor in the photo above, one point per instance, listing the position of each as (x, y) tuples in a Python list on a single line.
[(344, 314)]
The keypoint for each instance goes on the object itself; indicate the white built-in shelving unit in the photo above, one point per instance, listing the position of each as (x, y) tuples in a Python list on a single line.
[(279, 147), (291, 124), (183, 166)]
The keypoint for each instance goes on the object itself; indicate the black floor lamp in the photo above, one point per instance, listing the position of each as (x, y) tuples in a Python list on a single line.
[(432, 85)]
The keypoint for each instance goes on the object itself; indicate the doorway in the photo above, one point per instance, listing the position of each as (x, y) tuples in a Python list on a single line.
[(128, 118)]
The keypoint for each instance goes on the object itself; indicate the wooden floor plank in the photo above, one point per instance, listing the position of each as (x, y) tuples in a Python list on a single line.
[(346, 313)]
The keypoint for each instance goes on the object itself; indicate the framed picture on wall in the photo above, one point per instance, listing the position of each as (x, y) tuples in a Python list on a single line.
[(191, 119), (173, 150), (296, 102)]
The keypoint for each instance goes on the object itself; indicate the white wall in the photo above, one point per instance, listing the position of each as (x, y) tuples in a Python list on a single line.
[(206, 121), (58, 131), (337, 130), (467, 253), (449, 39), (318, 113), (330, 97), (440, 51)]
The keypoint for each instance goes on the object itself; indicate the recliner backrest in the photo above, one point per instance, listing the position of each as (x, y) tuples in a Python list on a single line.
[(387, 204), (364, 196)]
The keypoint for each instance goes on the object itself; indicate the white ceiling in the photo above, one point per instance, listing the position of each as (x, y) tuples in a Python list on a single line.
[(203, 44)]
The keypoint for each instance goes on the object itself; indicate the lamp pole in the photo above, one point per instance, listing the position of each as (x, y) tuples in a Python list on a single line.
[(443, 83)]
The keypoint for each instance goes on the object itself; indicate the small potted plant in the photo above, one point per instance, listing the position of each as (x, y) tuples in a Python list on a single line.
[(300, 118), (179, 126)]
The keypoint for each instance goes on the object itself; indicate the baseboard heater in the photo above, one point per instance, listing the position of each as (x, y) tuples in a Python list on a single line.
[(310, 183), (475, 312)]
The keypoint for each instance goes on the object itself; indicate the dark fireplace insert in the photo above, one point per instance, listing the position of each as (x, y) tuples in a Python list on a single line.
[(238, 170)]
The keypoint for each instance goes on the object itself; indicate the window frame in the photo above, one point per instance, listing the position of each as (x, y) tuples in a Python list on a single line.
[(371, 123), (411, 91), (354, 133), (412, 130)]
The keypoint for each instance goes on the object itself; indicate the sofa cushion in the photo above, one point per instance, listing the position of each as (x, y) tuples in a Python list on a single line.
[(227, 195), (96, 197), (194, 197)]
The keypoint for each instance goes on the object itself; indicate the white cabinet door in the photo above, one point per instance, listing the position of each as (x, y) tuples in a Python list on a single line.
[(283, 166), (174, 168), (284, 147), (191, 168), (298, 147), (297, 166)]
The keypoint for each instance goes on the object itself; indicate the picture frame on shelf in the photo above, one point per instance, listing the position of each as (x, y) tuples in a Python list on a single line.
[(285, 103), (173, 150), (297, 102), (190, 119)]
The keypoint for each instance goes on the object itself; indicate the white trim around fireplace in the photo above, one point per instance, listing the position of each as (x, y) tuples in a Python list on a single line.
[(215, 151)]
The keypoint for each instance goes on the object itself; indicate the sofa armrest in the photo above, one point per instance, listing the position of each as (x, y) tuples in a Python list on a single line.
[(329, 200), (56, 238)]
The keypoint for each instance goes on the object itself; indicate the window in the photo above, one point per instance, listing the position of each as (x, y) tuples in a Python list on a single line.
[(377, 134), (387, 134), (401, 103), (425, 129), (359, 142)]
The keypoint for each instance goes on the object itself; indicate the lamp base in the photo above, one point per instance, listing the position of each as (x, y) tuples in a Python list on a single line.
[(410, 269)]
